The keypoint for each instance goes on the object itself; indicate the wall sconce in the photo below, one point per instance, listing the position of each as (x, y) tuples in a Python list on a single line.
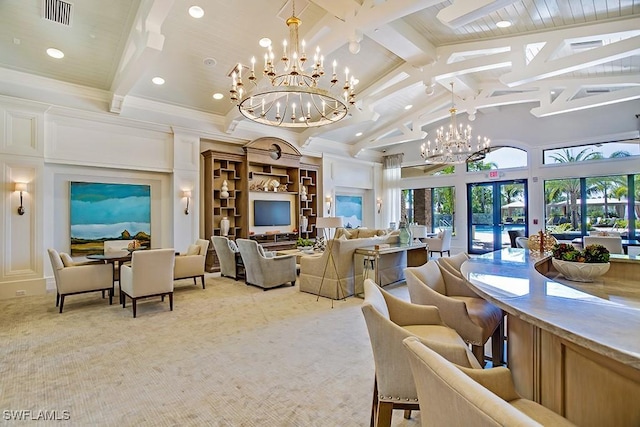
[(379, 204), (328, 201), (20, 186), (187, 194)]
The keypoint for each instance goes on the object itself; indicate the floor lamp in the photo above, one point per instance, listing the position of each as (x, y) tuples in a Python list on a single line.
[(326, 224)]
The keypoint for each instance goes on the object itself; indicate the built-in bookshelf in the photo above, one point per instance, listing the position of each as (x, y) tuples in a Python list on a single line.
[(271, 166), (309, 175)]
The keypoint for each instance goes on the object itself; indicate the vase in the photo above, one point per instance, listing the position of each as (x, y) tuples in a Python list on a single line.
[(224, 190), (224, 226), (405, 234), (303, 194), (580, 271), (304, 222)]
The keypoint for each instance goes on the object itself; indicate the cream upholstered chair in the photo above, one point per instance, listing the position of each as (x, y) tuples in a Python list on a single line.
[(116, 247), (454, 263), (389, 320), (77, 278), (266, 272), (441, 243), (452, 396), (612, 243), (461, 309), (191, 263), (226, 252), (150, 274), (522, 242)]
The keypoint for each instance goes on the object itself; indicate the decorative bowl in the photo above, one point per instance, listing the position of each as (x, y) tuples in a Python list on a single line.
[(580, 271), (534, 242)]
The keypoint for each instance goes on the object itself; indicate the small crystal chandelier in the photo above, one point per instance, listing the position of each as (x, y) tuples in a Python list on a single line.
[(456, 144), (296, 96)]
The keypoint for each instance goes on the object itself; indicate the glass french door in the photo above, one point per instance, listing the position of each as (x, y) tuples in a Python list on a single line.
[(494, 209)]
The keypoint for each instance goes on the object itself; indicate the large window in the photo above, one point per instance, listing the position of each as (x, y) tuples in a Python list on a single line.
[(433, 207), (500, 158), (582, 153), (611, 204)]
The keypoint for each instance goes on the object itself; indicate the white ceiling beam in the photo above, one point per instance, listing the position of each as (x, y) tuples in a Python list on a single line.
[(554, 67), (474, 65), (462, 12), (143, 47), (564, 105)]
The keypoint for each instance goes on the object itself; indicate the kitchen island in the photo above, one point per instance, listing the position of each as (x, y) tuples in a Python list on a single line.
[(573, 347)]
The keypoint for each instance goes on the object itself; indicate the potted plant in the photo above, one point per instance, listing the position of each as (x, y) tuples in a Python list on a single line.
[(304, 244), (580, 266)]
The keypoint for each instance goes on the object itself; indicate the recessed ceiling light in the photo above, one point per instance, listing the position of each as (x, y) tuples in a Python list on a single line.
[(503, 24), (158, 81), (209, 62), (196, 12), (359, 134), (55, 53), (218, 95), (408, 107), (265, 42)]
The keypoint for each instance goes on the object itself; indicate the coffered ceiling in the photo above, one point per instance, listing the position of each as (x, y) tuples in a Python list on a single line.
[(558, 56)]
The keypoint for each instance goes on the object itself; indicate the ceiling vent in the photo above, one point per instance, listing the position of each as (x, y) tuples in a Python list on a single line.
[(594, 91), (57, 11), (591, 44)]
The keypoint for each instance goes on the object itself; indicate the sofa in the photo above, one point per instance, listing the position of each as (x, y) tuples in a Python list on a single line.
[(343, 247)]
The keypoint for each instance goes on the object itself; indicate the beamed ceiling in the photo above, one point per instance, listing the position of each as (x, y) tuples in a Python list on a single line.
[(558, 56)]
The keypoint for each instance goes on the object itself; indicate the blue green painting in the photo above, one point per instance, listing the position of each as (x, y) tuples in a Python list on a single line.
[(350, 209), (101, 211)]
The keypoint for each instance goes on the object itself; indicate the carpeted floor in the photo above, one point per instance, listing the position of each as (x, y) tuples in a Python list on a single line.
[(229, 355)]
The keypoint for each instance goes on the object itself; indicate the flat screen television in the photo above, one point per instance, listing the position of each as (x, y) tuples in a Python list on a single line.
[(271, 212)]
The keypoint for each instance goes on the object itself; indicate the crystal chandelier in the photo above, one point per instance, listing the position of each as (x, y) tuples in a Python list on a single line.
[(456, 144), (292, 93)]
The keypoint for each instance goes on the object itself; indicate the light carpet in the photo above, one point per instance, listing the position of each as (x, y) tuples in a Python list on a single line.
[(229, 355)]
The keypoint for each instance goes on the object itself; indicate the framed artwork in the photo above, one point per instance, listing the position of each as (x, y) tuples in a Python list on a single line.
[(350, 209), (102, 212)]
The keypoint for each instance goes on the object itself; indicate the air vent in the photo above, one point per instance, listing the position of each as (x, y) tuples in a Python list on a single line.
[(58, 11), (586, 45), (594, 91)]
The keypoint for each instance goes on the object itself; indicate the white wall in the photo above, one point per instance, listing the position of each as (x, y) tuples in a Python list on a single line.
[(353, 177), (48, 147)]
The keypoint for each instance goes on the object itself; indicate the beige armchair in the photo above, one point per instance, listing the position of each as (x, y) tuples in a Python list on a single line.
[(150, 274), (453, 396), (266, 272), (226, 252), (77, 278), (390, 320), (116, 247), (612, 243), (461, 309), (441, 243), (191, 263), (454, 263)]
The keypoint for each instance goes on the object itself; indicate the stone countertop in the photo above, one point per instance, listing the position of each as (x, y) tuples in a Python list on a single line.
[(575, 312)]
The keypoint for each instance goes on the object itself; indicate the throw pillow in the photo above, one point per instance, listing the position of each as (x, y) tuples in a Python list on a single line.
[(233, 246), (366, 233), (66, 260), (193, 250), (320, 244)]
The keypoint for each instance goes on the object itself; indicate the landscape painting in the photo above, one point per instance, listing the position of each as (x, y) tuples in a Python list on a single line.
[(101, 211), (350, 209)]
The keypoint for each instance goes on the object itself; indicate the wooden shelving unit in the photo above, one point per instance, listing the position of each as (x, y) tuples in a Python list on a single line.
[(220, 167), (309, 175), (267, 164)]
